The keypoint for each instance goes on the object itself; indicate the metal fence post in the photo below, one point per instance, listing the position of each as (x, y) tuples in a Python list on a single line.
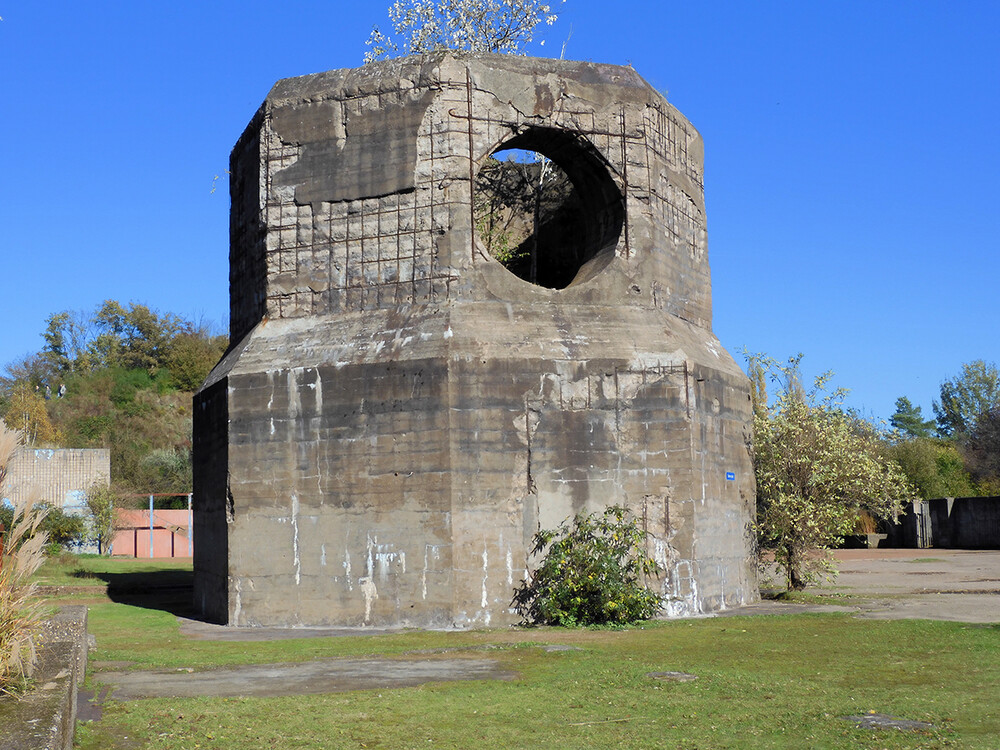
[(150, 525)]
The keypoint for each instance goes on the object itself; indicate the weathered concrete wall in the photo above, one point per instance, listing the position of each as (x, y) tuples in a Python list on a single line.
[(949, 523), (44, 717), (59, 477), (399, 413)]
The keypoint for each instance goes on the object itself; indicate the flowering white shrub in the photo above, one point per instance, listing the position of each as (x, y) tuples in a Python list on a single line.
[(474, 25)]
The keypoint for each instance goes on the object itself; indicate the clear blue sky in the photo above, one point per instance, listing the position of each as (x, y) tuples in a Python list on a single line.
[(852, 161)]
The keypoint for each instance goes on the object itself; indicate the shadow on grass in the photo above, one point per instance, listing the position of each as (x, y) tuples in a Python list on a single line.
[(168, 590)]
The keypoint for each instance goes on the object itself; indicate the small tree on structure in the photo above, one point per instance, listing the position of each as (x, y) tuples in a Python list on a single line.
[(594, 572), (21, 553), (474, 25), (818, 468)]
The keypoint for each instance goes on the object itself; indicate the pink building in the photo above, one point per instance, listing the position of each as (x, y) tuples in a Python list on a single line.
[(153, 533)]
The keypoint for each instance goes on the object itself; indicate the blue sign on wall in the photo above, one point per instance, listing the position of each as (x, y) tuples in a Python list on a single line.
[(730, 476)]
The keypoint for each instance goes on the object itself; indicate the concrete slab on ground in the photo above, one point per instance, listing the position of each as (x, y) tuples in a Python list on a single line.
[(931, 584), (888, 584), (306, 678), (206, 631)]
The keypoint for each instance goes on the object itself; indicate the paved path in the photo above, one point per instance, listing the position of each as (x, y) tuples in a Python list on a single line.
[(932, 584)]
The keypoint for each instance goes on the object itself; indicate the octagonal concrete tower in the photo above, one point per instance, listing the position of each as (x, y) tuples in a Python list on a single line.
[(399, 412)]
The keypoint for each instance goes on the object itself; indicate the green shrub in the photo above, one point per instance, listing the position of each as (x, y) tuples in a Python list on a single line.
[(63, 528), (594, 572)]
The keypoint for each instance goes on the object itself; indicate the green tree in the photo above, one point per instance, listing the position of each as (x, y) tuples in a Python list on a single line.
[(982, 451), (909, 421), (933, 466), (475, 25), (757, 373), (55, 341), (67, 337), (60, 529), (818, 468), (192, 355), (133, 337), (33, 369), (594, 572), (63, 529), (102, 501), (967, 396)]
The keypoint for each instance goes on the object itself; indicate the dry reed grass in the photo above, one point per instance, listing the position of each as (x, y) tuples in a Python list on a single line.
[(866, 523), (22, 551)]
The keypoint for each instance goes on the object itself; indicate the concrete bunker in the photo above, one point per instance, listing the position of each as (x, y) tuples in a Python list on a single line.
[(399, 412)]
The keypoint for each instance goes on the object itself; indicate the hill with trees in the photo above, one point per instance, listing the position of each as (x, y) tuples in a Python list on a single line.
[(122, 378)]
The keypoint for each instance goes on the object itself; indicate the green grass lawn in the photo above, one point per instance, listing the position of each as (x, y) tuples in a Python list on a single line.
[(763, 682), (90, 570)]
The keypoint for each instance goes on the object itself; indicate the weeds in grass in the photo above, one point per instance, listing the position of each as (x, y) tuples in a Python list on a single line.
[(22, 551), (826, 598)]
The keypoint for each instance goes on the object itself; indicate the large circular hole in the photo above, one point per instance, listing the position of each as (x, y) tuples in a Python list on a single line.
[(547, 209)]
